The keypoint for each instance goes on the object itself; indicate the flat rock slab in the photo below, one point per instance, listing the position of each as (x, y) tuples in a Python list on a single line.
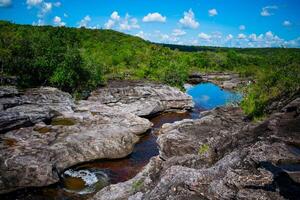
[(228, 81), (32, 106), (37, 154), (143, 99)]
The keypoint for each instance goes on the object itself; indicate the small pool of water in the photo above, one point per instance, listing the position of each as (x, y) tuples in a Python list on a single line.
[(208, 96)]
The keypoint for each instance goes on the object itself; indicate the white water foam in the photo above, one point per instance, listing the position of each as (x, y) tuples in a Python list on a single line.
[(88, 177)]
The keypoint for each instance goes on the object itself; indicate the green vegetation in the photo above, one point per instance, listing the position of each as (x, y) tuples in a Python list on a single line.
[(79, 60), (137, 185), (203, 149)]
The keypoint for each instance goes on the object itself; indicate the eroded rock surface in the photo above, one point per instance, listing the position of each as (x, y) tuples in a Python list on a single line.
[(225, 80), (36, 155), (32, 106), (220, 156), (142, 99)]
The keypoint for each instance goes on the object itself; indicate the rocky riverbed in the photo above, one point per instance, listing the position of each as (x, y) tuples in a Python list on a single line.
[(220, 155), (46, 132)]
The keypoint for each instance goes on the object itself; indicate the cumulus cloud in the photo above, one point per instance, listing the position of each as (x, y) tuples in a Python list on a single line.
[(115, 16), (188, 20), (109, 24), (46, 8), (31, 3), (58, 22), (142, 35), (266, 11), (229, 37), (286, 23), (241, 36), (5, 3), (85, 21), (213, 12), (154, 17), (40, 22), (128, 23), (242, 27), (178, 32), (125, 24), (204, 36)]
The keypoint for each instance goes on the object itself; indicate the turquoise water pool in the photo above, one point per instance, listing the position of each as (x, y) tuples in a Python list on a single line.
[(208, 96)]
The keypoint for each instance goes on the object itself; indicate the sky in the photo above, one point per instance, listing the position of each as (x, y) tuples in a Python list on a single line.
[(229, 23)]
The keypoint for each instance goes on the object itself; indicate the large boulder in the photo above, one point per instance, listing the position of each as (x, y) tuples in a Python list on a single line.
[(35, 156), (32, 106), (142, 99), (221, 157)]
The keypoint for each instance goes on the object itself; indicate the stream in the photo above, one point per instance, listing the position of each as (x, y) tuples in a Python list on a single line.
[(83, 180)]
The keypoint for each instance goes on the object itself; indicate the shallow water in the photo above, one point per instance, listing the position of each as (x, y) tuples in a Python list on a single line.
[(83, 180), (208, 96)]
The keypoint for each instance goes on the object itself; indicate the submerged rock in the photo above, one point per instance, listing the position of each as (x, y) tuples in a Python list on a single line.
[(142, 99), (221, 157)]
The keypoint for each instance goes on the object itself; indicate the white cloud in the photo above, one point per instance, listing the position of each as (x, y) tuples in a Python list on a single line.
[(213, 12), (286, 23), (31, 3), (46, 8), (5, 3), (85, 21), (40, 22), (128, 23), (115, 16), (154, 17), (253, 37), (241, 36), (229, 37), (124, 24), (178, 32), (141, 34), (266, 11), (58, 22), (109, 24), (66, 15), (204, 36), (188, 20), (57, 4), (242, 27)]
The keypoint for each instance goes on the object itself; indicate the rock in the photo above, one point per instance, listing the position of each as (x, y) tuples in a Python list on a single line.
[(32, 106), (225, 80), (142, 99), (195, 78), (35, 156), (8, 91), (239, 161), (207, 135)]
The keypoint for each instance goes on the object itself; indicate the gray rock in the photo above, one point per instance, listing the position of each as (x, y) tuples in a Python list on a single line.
[(33, 106), (241, 161), (34, 156), (143, 99), (228, 81), (8, 91)]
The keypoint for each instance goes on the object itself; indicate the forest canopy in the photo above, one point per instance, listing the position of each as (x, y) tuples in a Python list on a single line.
[(79, 60)]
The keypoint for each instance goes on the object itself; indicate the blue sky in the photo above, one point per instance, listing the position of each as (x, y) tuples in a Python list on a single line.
[(239, 23)]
